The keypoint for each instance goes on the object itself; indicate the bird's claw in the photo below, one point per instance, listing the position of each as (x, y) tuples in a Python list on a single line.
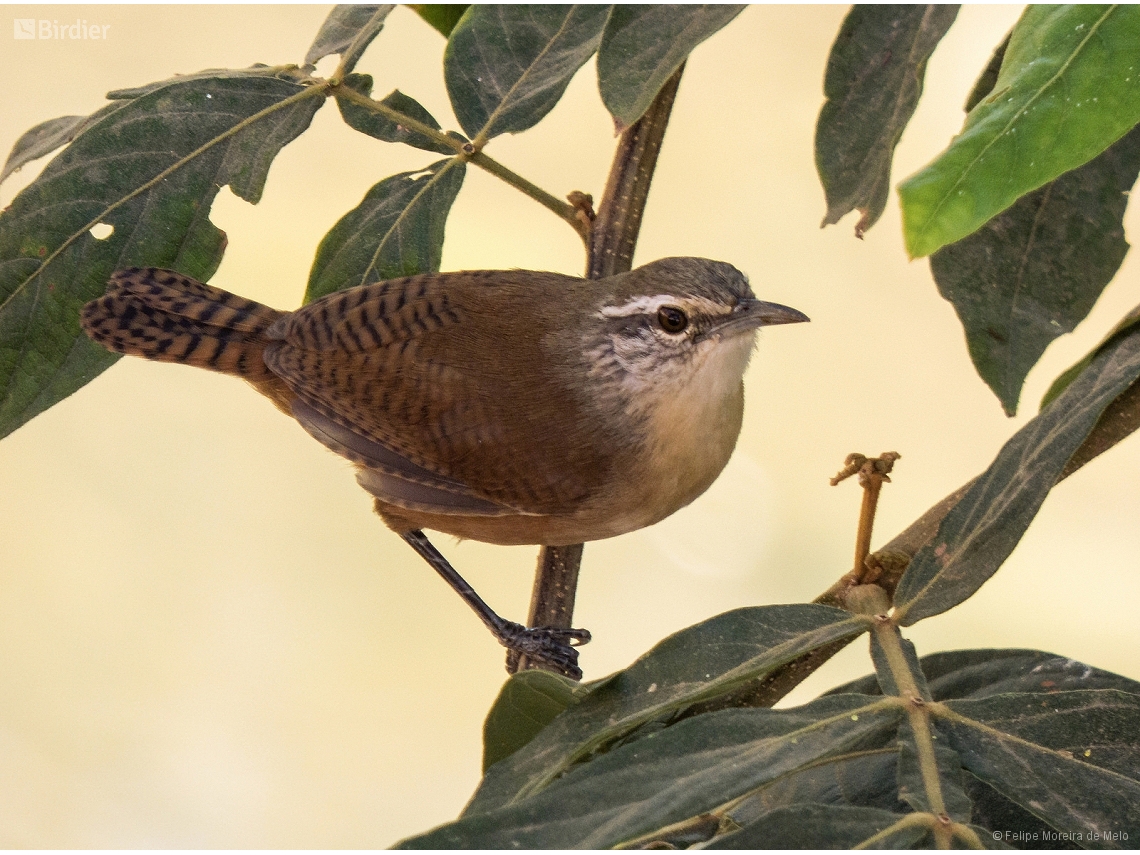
[(552, 647)]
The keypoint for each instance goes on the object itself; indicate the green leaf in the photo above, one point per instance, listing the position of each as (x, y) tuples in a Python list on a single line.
[(984, 527), (290, 73), (1123, 328), (1072, 758), (149, 169), (982, 673), (507, 66), (526, 704), (43, 139), (643, 45), (820, 826), (864, 778), (442, 16), (1034, 271), (873, 82), (1010, 821), (1069, 87), (702, 662), (678, 773), (396, 230), (348, 30), (380, 126)]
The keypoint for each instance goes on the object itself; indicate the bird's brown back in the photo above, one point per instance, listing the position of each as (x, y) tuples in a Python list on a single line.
[(442, 369), (447, 371)]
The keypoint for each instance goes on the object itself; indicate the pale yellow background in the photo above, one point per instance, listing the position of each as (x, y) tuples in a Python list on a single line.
[(207, 639)]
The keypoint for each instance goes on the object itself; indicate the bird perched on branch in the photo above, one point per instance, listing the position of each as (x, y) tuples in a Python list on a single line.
[(506, 406)]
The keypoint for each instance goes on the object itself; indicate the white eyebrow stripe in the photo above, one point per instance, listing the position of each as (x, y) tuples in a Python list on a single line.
[(650, 305), (638, 306)]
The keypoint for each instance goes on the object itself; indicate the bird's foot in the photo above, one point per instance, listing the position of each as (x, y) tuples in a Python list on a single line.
[(552, 647)]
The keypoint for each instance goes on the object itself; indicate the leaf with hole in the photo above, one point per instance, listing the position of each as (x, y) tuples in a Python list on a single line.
[(507, 66), (981, 531), (396, 230), (1069, 87), (643, 45), (873, 82), (149, 170)]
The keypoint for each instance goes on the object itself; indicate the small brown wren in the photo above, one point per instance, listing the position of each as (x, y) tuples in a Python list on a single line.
[(507, 406)]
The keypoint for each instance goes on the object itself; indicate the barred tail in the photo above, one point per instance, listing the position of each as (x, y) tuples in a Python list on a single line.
[(163, 315)]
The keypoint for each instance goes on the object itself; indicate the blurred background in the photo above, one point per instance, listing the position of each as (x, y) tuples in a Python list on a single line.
[(208, 640)]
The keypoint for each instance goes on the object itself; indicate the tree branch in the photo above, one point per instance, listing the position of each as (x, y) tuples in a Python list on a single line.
[(612, 240)]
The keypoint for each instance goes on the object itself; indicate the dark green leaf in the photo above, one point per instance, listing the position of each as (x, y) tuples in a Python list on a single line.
[(986, 80), (507, 66), (397, 230), (1034, 271), (676, 774), (643, 45), (348, 30), (526, 704), (380, 126), (873, 83), (150, 170), (43, 139), (861, 779), (1072, 758), (442, 16), (702, 662), (1125, 327), (984, 527), (1069, 87), (1013, 824), (982, 673), (280, 72), (809, 826)]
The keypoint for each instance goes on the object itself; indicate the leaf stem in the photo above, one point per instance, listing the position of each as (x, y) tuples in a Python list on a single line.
[(468, 151), (875, 840), (887, 633), (564, 210)]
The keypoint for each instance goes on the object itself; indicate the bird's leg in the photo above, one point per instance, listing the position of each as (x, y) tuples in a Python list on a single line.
[(554, 647)]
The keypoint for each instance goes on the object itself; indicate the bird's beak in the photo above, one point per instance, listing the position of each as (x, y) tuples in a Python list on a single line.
[(749, 315)]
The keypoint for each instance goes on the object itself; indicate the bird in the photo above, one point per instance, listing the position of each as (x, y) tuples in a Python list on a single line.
[(504, 406)]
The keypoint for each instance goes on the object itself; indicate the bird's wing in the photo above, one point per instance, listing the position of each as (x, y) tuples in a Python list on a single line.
[(401, 378)]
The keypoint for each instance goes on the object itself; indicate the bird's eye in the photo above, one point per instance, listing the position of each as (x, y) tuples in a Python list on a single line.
[(672, 319)]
